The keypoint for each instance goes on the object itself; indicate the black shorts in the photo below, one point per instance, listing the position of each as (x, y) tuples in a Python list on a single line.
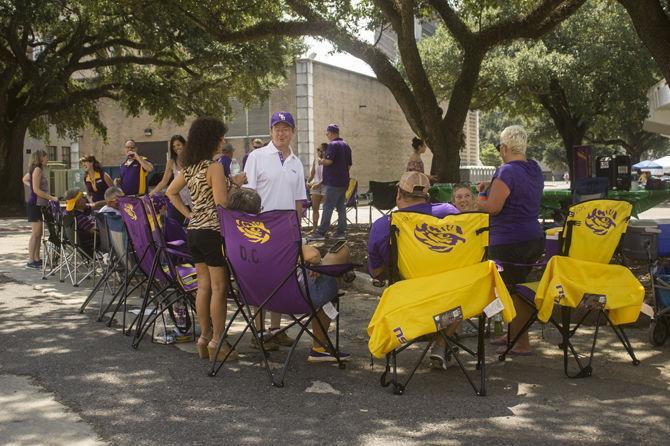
[(523, 252), (34, 212), (206, 246)]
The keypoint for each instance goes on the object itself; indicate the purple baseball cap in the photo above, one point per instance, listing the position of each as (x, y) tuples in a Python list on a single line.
[(282, 116), (333, 128)]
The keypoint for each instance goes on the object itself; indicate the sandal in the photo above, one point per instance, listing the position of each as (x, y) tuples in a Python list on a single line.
[(201, 345), (226, 352)]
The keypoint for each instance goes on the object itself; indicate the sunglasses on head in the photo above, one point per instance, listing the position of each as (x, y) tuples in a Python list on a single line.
[(498, 147)]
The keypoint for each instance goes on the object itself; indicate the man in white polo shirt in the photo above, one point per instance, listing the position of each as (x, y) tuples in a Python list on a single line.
[(279, 178)]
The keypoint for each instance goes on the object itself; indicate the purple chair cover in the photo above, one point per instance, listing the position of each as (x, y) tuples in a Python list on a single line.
[(263, 252), (134, 216), (175, 272)]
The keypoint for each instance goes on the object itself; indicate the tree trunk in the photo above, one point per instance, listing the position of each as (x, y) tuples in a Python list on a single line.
[(653, 27), (11, 164), (572, 135)]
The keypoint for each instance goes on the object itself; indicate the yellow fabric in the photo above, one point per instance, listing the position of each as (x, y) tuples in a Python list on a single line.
[(143, 180), (72, 202), (429, 245), (96, 177), (406, 308), (350, 189), (566, 280), (597, 228)]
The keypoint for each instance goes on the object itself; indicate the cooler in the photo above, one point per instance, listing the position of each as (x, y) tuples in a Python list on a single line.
[(640, 242), (664, 237)]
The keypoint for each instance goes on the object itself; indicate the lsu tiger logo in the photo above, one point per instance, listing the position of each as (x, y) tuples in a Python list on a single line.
[(128, 208), (254, 231), (439, 239), (600, 222)]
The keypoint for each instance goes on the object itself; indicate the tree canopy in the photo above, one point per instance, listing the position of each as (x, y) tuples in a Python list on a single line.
[(58, 57)]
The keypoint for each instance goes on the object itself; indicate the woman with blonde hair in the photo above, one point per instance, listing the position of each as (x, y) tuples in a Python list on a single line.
[(39, 197)]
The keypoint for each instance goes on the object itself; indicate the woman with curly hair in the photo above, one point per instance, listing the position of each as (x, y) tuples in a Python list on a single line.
[(207, 185), (96, 180)]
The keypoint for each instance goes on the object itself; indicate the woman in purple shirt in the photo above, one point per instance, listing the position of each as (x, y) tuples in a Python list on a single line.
[(513, 199)]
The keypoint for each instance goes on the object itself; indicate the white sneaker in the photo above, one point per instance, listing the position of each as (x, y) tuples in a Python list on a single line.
[(440, 357)]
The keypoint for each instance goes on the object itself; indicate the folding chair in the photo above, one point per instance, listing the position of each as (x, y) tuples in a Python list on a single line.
[(439, 277), (109, 263), (382, 196), (270, 242), (351, 196), (78, 256), (582, 277), (51, 238), (167, 282)]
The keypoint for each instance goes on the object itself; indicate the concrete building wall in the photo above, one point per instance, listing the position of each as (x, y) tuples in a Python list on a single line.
[(370, 121)]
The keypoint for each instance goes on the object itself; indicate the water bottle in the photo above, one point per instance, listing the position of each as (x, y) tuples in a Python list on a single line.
[(234, 167), (497, 325)]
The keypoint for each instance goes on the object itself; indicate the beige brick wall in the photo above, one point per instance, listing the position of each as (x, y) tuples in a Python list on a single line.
[(370, 121)]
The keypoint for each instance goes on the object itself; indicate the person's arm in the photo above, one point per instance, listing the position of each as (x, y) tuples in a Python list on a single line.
[(328, 157), (146, 165), (217, 177), (108, 180), (378, 248), (37, 174), (165, 180), (250, 169), (311, 174), (298, 208), (172, 193), (26, 180), (496, 198)]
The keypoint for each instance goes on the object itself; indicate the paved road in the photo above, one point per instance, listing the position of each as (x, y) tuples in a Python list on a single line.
[(161, 394)]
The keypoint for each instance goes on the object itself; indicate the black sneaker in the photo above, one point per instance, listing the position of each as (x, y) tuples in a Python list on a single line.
[(34, 265)]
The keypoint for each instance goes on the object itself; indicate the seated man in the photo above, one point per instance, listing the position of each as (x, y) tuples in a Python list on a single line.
[(111, 204), (463, 198), (322, 288), (412, 196), (77, 205)]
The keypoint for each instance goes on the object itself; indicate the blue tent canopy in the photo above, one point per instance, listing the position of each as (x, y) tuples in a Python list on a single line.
[(647, 164)]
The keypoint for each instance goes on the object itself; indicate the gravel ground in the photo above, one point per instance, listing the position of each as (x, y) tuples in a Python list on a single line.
[(162, 395)]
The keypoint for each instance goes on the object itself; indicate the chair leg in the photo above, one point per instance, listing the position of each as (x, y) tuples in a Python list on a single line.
[(624, 340)]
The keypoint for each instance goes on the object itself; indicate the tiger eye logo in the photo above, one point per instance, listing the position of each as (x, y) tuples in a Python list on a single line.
[(128, 208), (600, 222), (254, 231), (439, 238)]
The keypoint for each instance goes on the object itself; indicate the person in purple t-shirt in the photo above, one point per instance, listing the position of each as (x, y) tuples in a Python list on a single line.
[(336, 164), (412, 196), (513, 200), (256, 144)]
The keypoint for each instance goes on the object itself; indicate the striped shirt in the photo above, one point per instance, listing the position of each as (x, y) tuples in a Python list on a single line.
[(203, 208)]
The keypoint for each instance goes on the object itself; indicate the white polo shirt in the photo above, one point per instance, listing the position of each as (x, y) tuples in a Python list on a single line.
[(279, 184)]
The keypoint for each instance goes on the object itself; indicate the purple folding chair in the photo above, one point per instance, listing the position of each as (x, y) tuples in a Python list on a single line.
[(160, 291), (270, 242)]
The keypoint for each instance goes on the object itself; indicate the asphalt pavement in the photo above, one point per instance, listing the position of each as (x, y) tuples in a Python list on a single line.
[(86, 375)]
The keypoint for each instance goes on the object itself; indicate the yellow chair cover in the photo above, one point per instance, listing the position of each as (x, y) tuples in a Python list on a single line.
[(406, 308), (567, 279), (597, 227), (429, 245)]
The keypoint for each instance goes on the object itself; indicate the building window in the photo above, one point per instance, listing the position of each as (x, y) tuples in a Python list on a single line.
[(52, 151), (66, 158), (250, 122)]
